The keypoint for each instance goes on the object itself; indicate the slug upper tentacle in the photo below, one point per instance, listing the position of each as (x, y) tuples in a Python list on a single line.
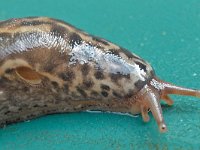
[(48, 66)]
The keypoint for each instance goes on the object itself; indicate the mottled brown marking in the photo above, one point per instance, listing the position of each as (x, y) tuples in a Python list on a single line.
[(114, 51), (100, 40), (99, 75), (81, 91), (55, 84), (67, 76), (105, 87), (85, 69), (74, 38), (9, 70), (116, 94), (140, 84), (104, 93), (117, 76), (59, 30), (129, 54), (88, 84), (141, 65)]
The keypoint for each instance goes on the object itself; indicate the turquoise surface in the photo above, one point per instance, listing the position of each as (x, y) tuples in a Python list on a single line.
[(166, 33)]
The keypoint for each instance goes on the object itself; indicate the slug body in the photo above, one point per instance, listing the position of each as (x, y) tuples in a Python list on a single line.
[(48, 66)]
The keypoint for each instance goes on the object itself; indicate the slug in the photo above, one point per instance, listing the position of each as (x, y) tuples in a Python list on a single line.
[(48, 66)]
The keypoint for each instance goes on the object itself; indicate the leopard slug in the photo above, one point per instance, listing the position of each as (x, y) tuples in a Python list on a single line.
[(48, 66)]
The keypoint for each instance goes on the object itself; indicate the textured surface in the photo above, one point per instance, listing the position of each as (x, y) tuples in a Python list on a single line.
[(167, 34)]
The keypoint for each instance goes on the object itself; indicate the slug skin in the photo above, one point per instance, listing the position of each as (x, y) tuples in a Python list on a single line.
[(48, 66)]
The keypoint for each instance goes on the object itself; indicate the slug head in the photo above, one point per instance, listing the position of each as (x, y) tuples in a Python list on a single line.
[(151, 94)]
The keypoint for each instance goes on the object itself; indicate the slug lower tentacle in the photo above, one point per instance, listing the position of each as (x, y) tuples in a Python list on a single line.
[(48, 66)]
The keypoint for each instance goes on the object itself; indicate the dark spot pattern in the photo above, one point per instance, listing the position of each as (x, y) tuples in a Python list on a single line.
[(116, 94), (55, 84), (85, 69), (59, 30), (104, 93), (105, 87), (99, 75), (140, 84), (81, 91), (117, 76), (114, 51), (128, 53), (74, 38), (141, 65), (67, 76), (100, 40), (9, 70), (88, 84)]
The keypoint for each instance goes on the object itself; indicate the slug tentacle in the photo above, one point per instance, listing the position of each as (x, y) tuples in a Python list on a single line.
[(156, 90), (149, 97)]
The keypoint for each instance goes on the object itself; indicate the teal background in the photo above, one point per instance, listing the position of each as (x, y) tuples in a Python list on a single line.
[(166, 33)]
